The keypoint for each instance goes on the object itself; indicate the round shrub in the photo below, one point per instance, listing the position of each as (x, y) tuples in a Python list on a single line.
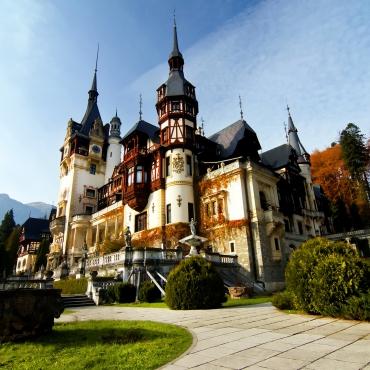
[(283, 300), (300, 271), (148, 292), (357, 308), (336, 279), (194, 284)]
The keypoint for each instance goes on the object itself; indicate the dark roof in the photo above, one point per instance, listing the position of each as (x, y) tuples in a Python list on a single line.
[(91, 114), (279, 157), (146, 128), (34, 227), (175, 50), (231, 136), (175, 85)]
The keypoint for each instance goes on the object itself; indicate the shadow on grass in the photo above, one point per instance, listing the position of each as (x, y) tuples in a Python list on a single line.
[(81, 337)]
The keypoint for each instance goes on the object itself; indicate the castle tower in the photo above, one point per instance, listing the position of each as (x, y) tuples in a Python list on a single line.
[(114, 147), (177, 110), (82, 172)]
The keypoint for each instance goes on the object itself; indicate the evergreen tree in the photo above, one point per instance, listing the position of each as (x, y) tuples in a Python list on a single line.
[(340, 216), (6, 228), (42, 251), (356, 155), (11, 249)]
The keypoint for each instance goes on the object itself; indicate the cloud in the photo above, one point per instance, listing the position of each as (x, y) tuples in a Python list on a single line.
[(313, 55)]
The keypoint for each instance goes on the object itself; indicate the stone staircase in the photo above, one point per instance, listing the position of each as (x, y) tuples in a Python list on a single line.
[(77, 300)]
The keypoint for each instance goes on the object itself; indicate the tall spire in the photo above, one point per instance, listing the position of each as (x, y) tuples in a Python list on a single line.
[(93, 93), (294, 142), (175, 60)]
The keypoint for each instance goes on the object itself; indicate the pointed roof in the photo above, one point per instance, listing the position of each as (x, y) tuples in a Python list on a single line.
[(146, 128), (175, 49), (279, 157), (237, 139), (293, 140)]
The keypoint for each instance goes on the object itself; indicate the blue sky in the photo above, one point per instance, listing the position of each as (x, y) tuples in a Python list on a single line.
[(313, 55)]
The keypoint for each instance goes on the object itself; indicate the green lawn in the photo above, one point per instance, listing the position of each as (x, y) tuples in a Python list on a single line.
[(99, 345), (228, 303), (67, 311)]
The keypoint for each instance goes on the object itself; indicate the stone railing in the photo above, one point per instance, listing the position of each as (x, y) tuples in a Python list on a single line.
[(220, 258), (108, 259), (24, 283)]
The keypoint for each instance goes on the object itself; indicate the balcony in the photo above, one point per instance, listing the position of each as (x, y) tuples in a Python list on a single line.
[(81, 218), (134, 153), (273, 219), (136, 196), (57, 225)]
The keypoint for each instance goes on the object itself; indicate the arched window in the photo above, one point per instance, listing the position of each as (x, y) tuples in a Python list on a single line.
[(263, 201)]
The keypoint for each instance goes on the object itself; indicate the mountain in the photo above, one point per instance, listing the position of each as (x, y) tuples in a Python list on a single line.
[(23, 211)]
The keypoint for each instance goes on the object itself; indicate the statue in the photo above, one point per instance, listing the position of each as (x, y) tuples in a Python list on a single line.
[(128, 236), (192, 227)]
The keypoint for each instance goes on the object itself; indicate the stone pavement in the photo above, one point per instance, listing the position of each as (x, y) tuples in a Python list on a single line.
[(254, 337)]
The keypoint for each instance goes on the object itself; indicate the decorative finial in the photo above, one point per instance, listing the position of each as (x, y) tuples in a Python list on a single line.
[(288, 109), (202, 126), (116, 112), (140, 104), (97, 57), (174, 17), (241, 108)]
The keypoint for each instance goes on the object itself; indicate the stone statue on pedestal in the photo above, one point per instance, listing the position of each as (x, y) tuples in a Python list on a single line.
[(128, 236)]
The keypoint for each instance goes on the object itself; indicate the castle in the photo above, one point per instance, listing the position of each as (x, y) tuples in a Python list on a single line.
[(250, 206)]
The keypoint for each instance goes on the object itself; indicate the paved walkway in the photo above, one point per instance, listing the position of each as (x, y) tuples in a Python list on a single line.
[(254, 337)]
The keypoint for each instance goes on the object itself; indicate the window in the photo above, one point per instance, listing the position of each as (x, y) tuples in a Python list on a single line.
[(214, 208), (209, 209), (130, 176), (232, 247), (190, 211), (165, 135), (189, 167), (90, 193), (300, 227), (92, 168), (155, 169), (188, 132), (168, 213), (220, 206), (139, 174), (110, 155), (287, 225), (168, 166), (89, 210), (277, 245), (175, 106), (263, 201), (140, 222), (189, 108)]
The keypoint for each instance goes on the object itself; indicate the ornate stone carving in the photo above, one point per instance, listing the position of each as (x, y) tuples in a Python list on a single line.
[(178, 163)]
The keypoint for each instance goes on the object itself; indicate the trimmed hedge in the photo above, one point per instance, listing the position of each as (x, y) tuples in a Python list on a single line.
[(148, 292), (194, 284), (71, 285), (327, 278), (283, 300), (121, 293)]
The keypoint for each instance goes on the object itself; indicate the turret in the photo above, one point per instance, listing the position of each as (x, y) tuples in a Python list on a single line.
[(114, 147)]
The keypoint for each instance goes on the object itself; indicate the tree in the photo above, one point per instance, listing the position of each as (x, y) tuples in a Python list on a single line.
[(42, 251), (356, 155), (11, 249), (6, 228)]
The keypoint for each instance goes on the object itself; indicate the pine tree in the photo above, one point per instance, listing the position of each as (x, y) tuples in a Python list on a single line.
[(356, 155), (6, 228), (11, 249), (340, 216)]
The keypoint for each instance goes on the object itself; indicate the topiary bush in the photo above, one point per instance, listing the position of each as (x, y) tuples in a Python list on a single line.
[(71, 285), (322, 276), (283, 300), (148, 292), (194, 284)]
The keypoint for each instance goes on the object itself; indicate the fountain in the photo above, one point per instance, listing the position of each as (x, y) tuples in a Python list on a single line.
[(193, 240)]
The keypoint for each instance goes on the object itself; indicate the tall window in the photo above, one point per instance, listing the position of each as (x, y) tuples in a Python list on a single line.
[(190, 211), (139, 174), (89, 210), (90, 193), (168, 213), (93, 168), (130, 176), (300, 227), (263, 201), (214, 208), (189, 167), (277, 245), (165, 135), (168, 166), (232, 247), (188, 132), (155, 170), (140, 222)]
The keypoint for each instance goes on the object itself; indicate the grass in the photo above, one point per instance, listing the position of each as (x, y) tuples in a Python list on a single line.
[(99, 345), (68, 312), (227, 304)]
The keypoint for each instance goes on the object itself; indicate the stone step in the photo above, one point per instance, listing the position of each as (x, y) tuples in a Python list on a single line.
[(77, 301)]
